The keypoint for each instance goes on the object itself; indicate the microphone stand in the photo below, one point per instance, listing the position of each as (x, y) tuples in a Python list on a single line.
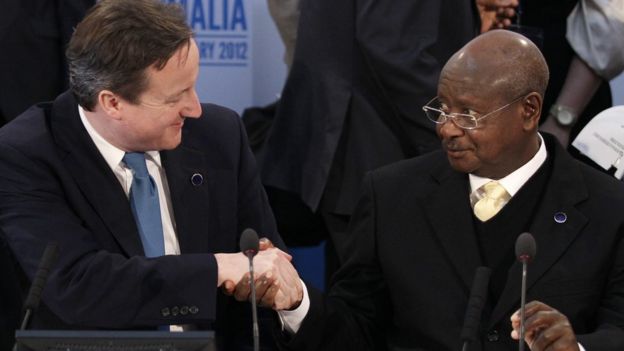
[(250, 245), (525, 251), (256, 332), (522, 303)]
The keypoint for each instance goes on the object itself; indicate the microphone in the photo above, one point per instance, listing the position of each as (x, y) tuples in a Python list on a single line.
[(478, 296), (525, 252), (36, 287), (249, 245)]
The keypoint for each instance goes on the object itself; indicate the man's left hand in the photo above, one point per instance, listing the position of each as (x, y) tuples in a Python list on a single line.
[(545, 328)]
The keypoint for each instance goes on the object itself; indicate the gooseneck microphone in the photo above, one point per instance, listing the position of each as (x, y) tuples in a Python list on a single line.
[(249, 245), (525, 252), (478, 296), (31, 304)]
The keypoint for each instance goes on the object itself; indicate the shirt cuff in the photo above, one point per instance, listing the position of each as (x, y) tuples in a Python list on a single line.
[(291, 320)]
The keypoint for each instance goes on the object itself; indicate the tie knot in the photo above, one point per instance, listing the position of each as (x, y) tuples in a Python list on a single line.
[(493, 198), (494, 190), (136, 162)]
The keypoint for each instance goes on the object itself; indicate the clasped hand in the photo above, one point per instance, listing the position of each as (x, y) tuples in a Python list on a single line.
[(277, 283)]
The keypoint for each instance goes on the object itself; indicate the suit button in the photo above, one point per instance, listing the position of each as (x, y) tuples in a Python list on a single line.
[(194, 309), (175, 310), (165, 312), (184, 310), (492, 335)]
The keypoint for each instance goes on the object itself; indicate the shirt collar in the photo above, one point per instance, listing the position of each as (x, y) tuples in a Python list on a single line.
[(516, 179), (112, 154)]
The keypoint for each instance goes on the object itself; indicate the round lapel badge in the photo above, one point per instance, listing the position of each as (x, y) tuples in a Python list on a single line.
[(197, 179), (560, 217)]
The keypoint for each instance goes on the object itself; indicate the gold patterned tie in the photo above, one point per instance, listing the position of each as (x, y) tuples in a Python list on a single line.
[(494, 198)]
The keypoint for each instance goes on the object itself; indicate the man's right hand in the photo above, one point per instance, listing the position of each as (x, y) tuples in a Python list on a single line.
[(229, 286), (277, 283)]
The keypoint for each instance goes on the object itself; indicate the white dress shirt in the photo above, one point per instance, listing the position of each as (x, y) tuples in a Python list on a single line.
[(516, 179)]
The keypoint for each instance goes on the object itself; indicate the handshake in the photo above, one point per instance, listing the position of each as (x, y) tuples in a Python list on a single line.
[(277, 282)]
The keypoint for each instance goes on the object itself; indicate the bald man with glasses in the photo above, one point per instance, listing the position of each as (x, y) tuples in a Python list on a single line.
[(424, 225)]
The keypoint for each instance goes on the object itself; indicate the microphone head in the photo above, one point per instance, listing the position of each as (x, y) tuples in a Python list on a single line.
[(249, 242), (525, 247)]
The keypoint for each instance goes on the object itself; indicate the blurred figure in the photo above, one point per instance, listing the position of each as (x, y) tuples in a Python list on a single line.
[(33, 37), (551, 17), (285, 14), (595, 32)]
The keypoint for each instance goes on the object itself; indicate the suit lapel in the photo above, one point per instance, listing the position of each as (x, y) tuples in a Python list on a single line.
[(190, 200), (96, 180), (450, 216), (564, 190)]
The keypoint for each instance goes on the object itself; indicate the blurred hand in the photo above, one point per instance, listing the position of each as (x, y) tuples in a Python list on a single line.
[(229, 286), (231, 267), (496, 14), (545, 328), (266, 289), (277, 283)]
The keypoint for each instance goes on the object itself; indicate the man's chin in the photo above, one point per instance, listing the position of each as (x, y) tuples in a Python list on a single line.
[(460, 165), (171, 144)]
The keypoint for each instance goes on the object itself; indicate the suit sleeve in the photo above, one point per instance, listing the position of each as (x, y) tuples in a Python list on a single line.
[(398, 48), (354, 312), (89, 285)]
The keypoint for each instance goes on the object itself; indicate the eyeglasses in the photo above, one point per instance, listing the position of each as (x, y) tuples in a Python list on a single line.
[(462, 120)]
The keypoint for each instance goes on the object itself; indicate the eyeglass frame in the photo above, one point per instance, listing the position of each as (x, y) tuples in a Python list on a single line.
[(451, 116)]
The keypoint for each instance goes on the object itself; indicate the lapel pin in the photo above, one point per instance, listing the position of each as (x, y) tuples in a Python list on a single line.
[(197, 179), (560, 217)]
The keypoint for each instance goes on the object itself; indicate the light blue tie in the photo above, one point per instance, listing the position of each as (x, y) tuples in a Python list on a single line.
[(145, 205)]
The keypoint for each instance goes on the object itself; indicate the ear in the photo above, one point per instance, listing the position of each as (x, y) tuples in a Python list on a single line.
[(531, 110), (110, 103)]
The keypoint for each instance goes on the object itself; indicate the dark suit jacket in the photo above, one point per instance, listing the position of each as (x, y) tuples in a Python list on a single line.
[(362, 70), (413, 255), (56, 187), (33, 37)]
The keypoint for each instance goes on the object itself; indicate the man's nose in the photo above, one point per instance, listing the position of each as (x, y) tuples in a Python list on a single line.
[(192, 107), (449, 129)]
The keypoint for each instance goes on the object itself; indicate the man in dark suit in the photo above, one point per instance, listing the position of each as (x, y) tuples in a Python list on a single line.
[(361, 72), (134, 257), (415, 241)]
